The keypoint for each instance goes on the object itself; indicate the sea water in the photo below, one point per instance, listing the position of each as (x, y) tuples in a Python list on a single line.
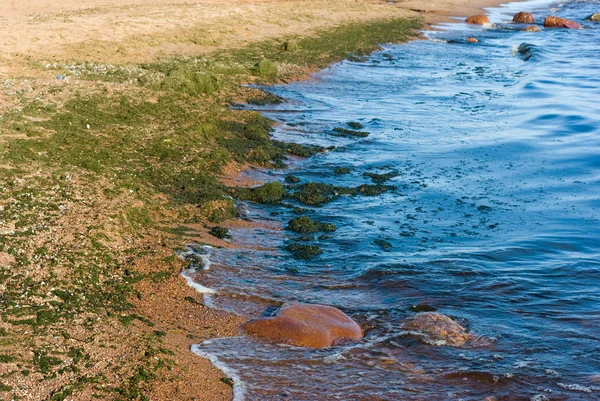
[(493, 219)]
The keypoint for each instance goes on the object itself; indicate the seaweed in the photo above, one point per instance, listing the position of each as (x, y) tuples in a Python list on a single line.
[(381, 178), (271, 192), (345, 132), (305, 225), (304, 252), (220, 232)]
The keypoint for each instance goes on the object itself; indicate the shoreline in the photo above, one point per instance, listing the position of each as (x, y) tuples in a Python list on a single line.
[(166, 318)]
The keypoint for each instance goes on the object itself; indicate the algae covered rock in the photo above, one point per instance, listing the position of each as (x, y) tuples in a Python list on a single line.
[(306, 325), (305, 225), (532, 28), (477, 19), (267, 193), (265, 67), (303, 252)]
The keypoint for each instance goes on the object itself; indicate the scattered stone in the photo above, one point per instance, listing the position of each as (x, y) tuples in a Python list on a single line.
[(557, 22), (6, 259), (594, 17), (532, 28), (478, 20), (472, 40), (438, 329), (383, 244), (290, 46), (305, 325), (523, 18), (267, 193)]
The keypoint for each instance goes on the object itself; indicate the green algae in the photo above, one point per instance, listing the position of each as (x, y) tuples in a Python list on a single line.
[(341, 170), (292, 179), (268, 193), (315, 193), (220, 232), (381, 178), (383, 244), (305, 225), (264, 99), (355, 125), (345, 132), (304, 252)]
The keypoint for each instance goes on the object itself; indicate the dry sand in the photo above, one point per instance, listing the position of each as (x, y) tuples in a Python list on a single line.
[(37, 32)]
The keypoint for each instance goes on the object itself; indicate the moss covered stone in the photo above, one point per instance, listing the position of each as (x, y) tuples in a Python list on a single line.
[(292, 179), (381, 178), (303, 252), (341, 170), (268, 193), (355, 125), (220, 232), (339, 131), (305, 225)]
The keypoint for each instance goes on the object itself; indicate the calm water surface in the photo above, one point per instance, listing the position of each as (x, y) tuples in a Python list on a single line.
[(494, 220)]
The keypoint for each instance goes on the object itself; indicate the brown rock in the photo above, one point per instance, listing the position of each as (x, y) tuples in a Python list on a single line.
[(438, 329), (478, 19), (532, 28), (556, 22), (305, 325), (523, 18), (472, 40)]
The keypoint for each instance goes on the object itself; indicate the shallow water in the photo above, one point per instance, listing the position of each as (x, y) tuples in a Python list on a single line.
[(494, 221)]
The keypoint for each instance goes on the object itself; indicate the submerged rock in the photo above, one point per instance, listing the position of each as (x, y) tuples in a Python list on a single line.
[(532, 28), (523, 18), (304, 252), (305, 325), (557, 22), (472, 40), (305, 225), (594, 17), (478, 19), (438, 329)]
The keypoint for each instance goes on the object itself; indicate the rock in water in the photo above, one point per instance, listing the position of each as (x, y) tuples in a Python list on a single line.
[(472, 40), (478, 19), (438, 329), (306, 325), (523, 18), (594, 17), (532, 28), (557, 22)]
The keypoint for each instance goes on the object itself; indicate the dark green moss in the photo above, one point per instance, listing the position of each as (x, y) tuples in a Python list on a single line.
[(227, 380), (4, 358), (341, 170), (381, 178), (305, 225), (193, 300), (383, 244), (315, 193), (267, 193), (292, 179), (339, 131), (299, 150), (303, 252), (373, 190), (422, 308), (264, 99), (484, 209), (355, 125), (220, 232)]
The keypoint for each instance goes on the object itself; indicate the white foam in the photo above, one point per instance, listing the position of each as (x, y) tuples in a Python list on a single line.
[(239, 388), (575, 387), (186, 274)]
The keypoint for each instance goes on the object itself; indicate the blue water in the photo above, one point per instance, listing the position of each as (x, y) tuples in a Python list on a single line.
[(494, 221)]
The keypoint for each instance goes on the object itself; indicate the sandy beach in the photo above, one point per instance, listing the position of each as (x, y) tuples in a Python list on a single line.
[(93, 303)]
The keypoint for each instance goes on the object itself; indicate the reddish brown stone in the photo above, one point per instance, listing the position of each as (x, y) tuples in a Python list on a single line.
[(472, 40), (523, 18), (305, 325), (478, 19), (556, 22)]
